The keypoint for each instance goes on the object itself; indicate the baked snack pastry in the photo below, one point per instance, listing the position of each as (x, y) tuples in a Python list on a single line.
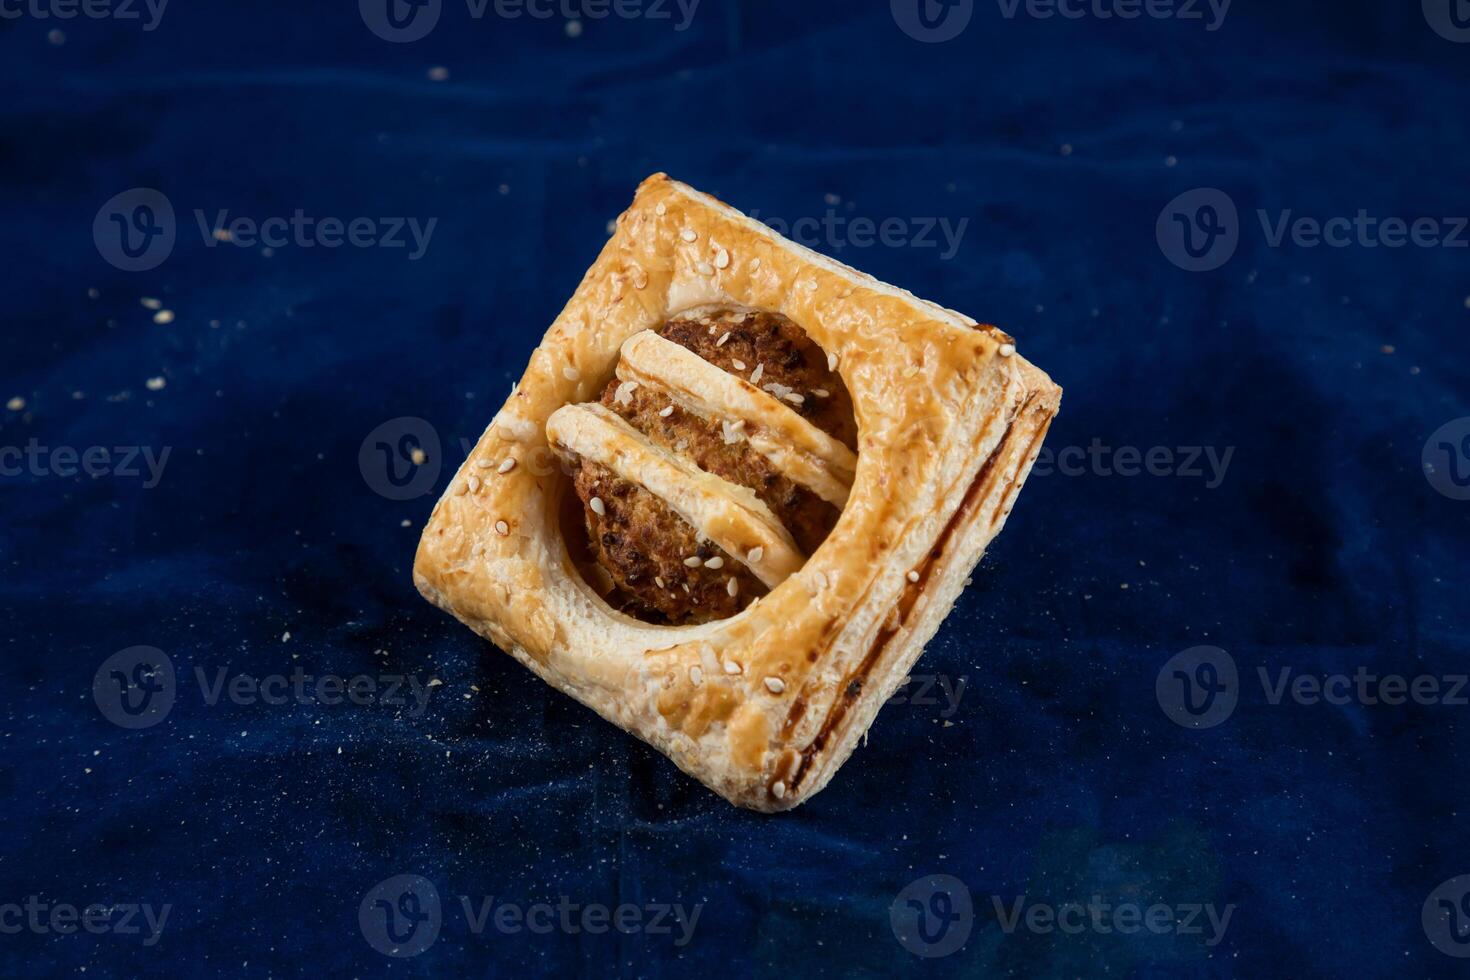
[(601, 473)]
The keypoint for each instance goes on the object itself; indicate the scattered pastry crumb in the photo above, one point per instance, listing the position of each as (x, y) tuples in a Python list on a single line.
[(286, 636), (156, 384), (1066, 149), (1386, 349), (16, 404), (418, 456), (405, 523), (57, 39), (438, 74), (149, 303), (574, 28), (163, 317)]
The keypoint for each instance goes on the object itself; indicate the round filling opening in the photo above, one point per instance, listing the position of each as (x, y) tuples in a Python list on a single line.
[(640, 554)]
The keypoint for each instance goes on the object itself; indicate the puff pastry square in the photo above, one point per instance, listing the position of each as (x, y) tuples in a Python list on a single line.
[(765, 705)]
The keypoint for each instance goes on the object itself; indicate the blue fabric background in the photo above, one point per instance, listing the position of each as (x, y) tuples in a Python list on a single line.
[(1059, 776)]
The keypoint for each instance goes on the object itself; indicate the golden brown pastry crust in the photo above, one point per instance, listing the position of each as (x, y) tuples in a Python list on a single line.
[(764, 706)]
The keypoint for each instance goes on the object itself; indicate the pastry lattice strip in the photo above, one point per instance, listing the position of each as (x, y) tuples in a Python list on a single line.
[(730, 515), (799, 450)]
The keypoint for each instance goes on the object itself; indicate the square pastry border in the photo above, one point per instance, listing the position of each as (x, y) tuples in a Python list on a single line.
[(762, 707)]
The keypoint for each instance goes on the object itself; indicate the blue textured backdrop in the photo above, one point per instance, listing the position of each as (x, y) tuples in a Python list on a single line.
[(1057, 142)]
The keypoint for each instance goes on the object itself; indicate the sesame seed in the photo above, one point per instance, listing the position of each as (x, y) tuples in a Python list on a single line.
[(16, 404), (778, 790), (666, 411), (659, 581), (913, 576), (696, 676), (418, 456), (723, 337), (831, 362), (775, 685), (715, 562), (693, 561), (163, 317), (502, 528), (755, 376), (755, 265), (485, 463), (474, 482), (507, 466), (705, 269), (155, 384), (571, 373), (821, 392), (731, 667), (598, 507), (755, 555), (689, 235), (794, 398), (722, 259), (732, 587), (149, 303), (1006, 350), (739, 364), (819, 580), (661, 210)]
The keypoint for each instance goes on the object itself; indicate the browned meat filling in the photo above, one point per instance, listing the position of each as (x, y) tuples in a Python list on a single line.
[(645, 547)]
